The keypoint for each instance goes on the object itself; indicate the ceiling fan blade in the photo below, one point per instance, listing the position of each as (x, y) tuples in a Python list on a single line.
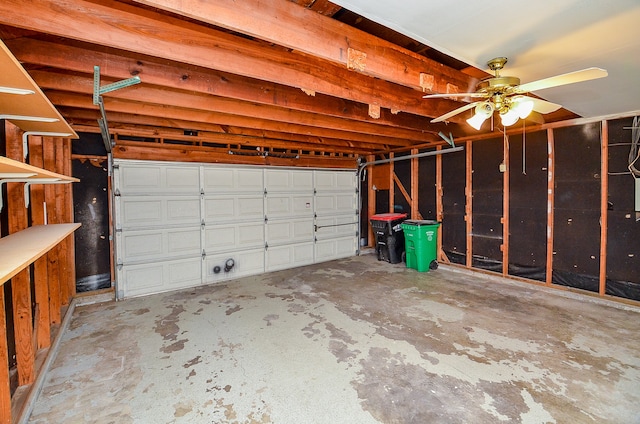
[(454, 112), (543, 106), (440, 96), (570, 78), (536, 118)]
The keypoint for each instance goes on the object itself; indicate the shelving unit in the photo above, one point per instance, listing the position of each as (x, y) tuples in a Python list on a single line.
[(21, 249), (12, 171)]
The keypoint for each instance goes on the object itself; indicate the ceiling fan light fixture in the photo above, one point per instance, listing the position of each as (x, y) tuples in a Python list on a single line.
[(523, 106), (510, 117), (483, 111)]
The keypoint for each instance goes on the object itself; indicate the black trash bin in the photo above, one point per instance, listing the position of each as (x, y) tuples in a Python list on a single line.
[(389, 236)]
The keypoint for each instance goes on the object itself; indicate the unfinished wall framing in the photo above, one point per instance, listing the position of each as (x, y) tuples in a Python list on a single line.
[(529, 206)]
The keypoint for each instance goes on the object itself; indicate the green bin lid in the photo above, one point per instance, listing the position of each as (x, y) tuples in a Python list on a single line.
[(419, 222)]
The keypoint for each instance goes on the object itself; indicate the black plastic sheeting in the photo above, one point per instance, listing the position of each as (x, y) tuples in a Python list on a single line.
[(91, 209), (626, 289), (454, 237)]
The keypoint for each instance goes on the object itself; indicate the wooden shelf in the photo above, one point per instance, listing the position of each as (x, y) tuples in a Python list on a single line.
[(14, 170), (35, 104), (21, 249)]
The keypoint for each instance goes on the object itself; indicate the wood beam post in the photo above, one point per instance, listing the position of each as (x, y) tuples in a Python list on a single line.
[(392, 185), (5, 387), (371, 197), (551, 181), (469, 203), (415, 183), (21, 282), (604, 206), (505, 208), (49, 160), (40, 276)]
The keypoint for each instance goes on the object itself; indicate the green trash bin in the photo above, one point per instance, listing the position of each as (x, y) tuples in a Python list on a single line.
[(421, 244)]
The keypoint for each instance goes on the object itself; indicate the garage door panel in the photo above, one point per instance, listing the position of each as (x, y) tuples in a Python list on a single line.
[(336, 226), (250, 262), (288, 256), (327, 250), (332, 181), (288, 205), (156, 277), (237, 180), (158, 244), (155, 211), (230, 237), (287, 180), (233, 208), (145, 179), (289, 231), (336, 203)]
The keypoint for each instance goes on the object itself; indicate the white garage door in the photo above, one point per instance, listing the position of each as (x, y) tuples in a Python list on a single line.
[(180, 225)]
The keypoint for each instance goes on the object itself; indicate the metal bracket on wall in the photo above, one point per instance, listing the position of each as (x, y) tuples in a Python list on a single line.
[(97, 100)]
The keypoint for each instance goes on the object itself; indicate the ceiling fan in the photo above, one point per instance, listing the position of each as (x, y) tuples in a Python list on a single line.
[(505, 95)]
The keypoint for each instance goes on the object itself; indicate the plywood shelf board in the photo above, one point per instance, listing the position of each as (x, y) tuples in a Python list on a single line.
[(20, 249), (37, 104), (19, 170)]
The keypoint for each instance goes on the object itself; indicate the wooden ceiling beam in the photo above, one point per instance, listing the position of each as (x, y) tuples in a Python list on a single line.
[(118, 66), (179, 98), (129, 28), (222, 139), (121, 123), (287, 24), (159, 110)]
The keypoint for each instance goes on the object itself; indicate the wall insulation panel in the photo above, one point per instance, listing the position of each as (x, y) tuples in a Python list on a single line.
[(577, 206), (528, 205), (623, 235), (427, 178), (453, 202), (487, 203)]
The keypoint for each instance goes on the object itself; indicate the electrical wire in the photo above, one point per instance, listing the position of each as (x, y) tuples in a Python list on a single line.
[(634, 153)]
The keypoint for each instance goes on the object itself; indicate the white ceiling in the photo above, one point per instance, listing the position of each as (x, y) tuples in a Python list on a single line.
[(540, 39)]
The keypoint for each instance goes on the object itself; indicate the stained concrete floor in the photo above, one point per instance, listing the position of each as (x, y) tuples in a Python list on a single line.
[(350, 341)]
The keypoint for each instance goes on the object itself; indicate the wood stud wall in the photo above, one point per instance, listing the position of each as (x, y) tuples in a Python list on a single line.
[(440, 213), (53, 274)]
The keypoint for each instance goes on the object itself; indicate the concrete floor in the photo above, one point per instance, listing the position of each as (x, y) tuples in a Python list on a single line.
[(350, 341)]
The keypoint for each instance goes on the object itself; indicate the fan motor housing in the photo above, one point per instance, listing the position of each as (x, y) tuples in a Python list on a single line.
[(497, 84)]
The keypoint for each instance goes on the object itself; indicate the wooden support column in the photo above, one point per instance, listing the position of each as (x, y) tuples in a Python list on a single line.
[(551, 180), (371, 206), (21, 282), (40, 276), (60, 215), (469, 204), (5, 387), (604, 206), (392, 185), (415, 183), (49, 160), (505, 208), (442, 257)]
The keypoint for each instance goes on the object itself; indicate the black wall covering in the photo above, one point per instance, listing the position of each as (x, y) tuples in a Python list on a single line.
[(427, 191), (487, 183), (402, 168), (623, 231), (577, 206), (528, 178), (91, 209), (453, 228)]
